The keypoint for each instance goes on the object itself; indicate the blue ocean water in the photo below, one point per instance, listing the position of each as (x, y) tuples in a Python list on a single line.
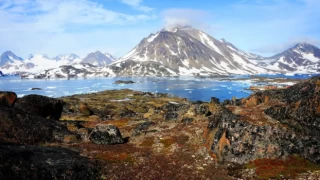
[(187, 87)]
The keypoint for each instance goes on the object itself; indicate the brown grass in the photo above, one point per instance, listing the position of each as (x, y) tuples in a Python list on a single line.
[(282, 169), (113, 157)]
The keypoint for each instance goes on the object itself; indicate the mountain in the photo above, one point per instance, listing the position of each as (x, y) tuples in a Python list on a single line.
[(99, 59), (184, 50), (9, 57), (249, 56), (69, 71), (34, 63), (67, 57), (110, 56), (302, 58), (12, 64)]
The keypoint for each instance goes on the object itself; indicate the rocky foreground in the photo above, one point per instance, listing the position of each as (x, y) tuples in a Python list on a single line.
[(125, 134)]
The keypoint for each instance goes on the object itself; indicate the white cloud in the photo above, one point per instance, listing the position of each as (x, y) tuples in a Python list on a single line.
[(58, 15), (181, 16), (137, 4), (271, 26), (68, 26)]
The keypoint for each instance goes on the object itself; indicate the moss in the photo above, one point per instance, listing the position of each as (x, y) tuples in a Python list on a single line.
[(147, 142), (279, 169)]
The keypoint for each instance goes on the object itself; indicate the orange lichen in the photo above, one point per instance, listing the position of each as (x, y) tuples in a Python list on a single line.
[(9, 97), (167, 142), (223, 142), (252, 101), (318, 110), (208, 136)]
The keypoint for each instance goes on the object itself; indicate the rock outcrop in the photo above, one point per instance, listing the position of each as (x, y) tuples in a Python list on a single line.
[(270, 124), (106, 134), (40, 105), (30, 162), (22, 128)]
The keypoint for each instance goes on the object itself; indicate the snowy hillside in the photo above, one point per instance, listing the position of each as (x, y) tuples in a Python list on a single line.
[(302, 58), (99, 59), (12, 64), (189, 51)]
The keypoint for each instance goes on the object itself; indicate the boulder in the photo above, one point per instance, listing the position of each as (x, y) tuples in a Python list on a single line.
[(19, 127), (7, 98), (296, 131), (30, 162), (41, 105), (125, 113), (172, 111), (214, 100), (142, 128), (106, 134)]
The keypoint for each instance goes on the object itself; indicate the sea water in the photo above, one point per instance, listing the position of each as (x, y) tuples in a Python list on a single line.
[(191, 88)]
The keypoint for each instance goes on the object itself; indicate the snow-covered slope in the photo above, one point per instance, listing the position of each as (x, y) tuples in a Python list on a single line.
[(67, 58), (69, 71), (34, 63), (140, 68), (302, 58), (13, 64), (9, 57), (99, 59), (188, 51)]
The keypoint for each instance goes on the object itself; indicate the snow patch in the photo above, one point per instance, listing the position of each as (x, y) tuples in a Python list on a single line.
[(150, 39)]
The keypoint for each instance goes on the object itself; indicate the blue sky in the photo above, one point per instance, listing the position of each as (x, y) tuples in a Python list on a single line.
[(55, 27)]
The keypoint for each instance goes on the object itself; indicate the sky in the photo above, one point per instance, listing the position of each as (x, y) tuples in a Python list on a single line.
[(53, 27)]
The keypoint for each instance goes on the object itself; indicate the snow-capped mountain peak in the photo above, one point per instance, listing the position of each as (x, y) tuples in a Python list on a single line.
[(188, 51), (9, 57), (98, 59), (69, 57), (113, 58), (301, 58)]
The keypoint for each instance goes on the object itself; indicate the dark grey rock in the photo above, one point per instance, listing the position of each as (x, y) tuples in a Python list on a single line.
[(142, 128), (30, 162), (214, 100), (123, 82), (106, 134), (41, 105), (24, 128)]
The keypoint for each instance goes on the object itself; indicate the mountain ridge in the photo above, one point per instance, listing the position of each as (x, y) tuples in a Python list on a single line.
[(190, 51), (301, 58), (176, 51)]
